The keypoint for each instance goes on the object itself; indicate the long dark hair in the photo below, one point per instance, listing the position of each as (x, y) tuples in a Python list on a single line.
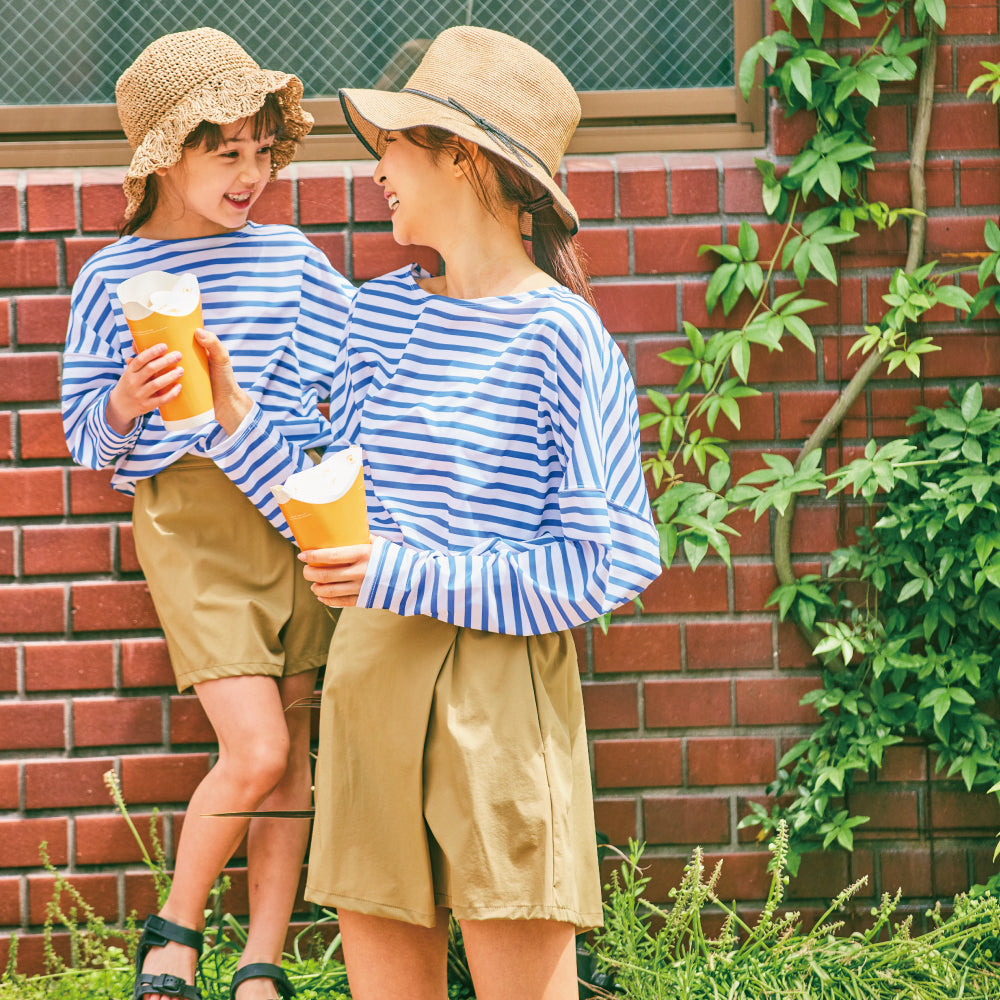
[(553, 249), (269, 119)]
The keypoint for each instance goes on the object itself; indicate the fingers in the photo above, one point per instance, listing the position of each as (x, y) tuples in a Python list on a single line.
[(343, 555), (214, 349)]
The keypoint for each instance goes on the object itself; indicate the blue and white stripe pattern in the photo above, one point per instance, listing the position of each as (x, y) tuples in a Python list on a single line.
[(501, 445), (274, 301)]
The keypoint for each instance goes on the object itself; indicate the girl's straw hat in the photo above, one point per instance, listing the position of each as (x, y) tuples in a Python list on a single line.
[(181, 80), (491, 89)]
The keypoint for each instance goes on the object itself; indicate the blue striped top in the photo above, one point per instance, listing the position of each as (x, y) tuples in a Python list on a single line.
[(274, 301), (501, 444)]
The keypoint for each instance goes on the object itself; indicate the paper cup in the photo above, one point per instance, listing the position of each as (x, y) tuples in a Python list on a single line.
[(325, 506), (163, 308)]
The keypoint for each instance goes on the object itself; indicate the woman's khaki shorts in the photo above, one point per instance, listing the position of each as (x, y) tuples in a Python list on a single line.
[(227, 587), (453, 771)]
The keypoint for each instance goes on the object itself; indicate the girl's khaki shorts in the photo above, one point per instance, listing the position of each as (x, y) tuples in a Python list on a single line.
[(453, 771), (227, 587)]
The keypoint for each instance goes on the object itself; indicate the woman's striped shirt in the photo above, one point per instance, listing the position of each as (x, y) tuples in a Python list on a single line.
[(501, 444), (270, 295)]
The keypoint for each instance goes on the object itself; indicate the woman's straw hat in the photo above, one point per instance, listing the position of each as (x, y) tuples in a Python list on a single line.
[(489, 88), (181, 80)]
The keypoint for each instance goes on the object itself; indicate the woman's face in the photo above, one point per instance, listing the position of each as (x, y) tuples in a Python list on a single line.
[(419, 189)]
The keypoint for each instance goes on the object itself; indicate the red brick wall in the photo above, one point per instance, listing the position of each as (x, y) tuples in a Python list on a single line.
[(690, 703)]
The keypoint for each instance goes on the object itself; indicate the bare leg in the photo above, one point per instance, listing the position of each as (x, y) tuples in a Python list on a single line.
[(521, 959), (249, 722), (277, 847), (393, 960)]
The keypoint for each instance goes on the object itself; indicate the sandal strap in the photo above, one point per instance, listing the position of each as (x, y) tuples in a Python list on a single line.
[(263, 970), (157, 932), (163, 984)]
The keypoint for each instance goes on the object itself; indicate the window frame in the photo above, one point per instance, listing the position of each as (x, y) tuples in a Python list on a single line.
[(88, 135)]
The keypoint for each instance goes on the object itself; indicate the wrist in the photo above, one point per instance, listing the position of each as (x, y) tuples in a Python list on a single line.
[(118, 417)]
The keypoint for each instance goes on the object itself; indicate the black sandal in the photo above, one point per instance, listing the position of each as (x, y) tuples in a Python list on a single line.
[(263, 970), (157, 932)]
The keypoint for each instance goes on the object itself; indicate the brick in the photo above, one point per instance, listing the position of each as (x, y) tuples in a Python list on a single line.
[(275, 205), (42, 434), (68, 666), (816, 529), (728, 645), (637, 307), (970, 59), (754, 536), (78, 250), (29, 264), (793, 651), (33, 951), (10, 202), (30, 492), (10, 902), (979, 182), (140, 892), (42, 319), (379, 253), (637, 763), (611, 705), (904, 762), (679, 590), (50, 201), (961, 354), (694, 308), (322, 192), (743, 190), (771, 701), (970, 17), (686, 819), (128, 561), (4, 322), (681, 701), (29, 378), (616, 819), (890, 809), (99, 722), (369, 200), (8, 667), (188, 722), (66, 549), (33, 609), (646, 646), (334, 246), (801, 413), (6, 551), (891, 408), (102, 200), (33, 725), (10, 788), (963, 126), (694, 185), (730, 760), (66, 784), (590, 185), (793, 363), (162, 779), (145, 663), (888, 126), (642, 186), (955, 234), (908, 870), (605, 250), (20, 839), (115, 605), (99, 891), (822, 875), (90, 492), (952, 809), (753, 585), (949, 871), (674, 249), (108, 840)]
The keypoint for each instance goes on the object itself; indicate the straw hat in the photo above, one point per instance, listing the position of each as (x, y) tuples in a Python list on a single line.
[(181, 80), (491, 89)]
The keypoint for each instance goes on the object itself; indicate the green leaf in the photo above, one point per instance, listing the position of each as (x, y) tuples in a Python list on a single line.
[(821, 259), (972, 402)]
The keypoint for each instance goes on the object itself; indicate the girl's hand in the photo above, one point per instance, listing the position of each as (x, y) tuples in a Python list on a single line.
[(231, 402), (337, 574), (149, 379)]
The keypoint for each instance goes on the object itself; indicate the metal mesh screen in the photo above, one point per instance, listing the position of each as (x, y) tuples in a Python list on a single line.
[(72, 51)]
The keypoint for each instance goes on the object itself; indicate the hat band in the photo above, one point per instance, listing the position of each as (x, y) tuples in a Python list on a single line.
[(512, 145)]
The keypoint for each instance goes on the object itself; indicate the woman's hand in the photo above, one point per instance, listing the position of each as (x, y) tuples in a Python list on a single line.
[(231, 402), (149, 379), (337, 574)]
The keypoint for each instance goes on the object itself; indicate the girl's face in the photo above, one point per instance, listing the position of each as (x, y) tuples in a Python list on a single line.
[(416, 186), (211, 191)]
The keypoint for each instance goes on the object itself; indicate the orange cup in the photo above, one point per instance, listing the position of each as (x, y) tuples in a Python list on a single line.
[(325, 506), (162, 308)]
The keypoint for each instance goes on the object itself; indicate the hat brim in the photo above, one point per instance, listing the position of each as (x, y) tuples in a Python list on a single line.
[(373, 113), (163, 145)]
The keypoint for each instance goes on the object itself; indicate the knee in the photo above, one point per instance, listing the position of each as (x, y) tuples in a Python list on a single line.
[(261, 763)]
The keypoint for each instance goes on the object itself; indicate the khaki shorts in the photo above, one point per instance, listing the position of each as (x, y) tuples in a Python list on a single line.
[(228, 589), (453, 771)]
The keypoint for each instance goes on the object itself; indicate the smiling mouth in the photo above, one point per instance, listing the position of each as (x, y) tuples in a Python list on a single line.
[(238, 199), (393, 203)]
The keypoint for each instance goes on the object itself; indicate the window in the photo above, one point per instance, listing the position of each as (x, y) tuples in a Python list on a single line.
[(652, 74)]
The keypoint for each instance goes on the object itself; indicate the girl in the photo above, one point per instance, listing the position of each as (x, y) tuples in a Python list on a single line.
[(506, 504), (209, 128)]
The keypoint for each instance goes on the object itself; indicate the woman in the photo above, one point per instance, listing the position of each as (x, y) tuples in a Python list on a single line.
[(506, 505)]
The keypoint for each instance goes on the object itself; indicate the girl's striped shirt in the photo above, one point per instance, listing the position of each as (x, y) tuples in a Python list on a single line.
[(274, 301), (501, 443)]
